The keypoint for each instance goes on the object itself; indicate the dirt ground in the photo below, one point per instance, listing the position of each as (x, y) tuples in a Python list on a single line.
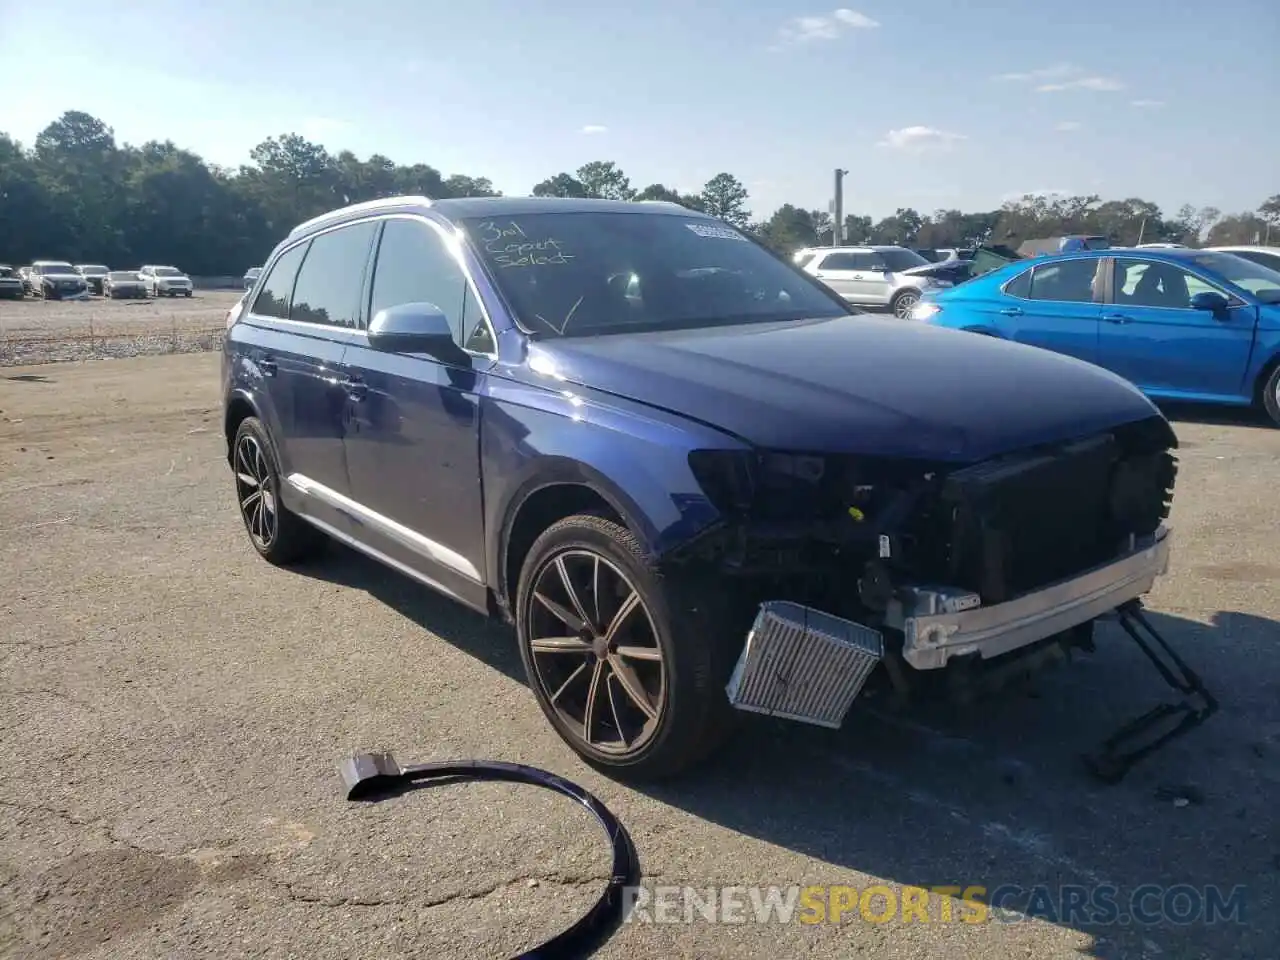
[(173, 710)]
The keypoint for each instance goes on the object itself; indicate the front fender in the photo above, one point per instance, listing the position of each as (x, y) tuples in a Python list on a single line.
[(632, 456)]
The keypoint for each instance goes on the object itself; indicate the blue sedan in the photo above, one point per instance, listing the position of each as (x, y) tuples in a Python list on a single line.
[(1189, 325)]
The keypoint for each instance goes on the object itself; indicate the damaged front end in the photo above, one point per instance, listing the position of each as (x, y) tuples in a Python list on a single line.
[(953, 578)]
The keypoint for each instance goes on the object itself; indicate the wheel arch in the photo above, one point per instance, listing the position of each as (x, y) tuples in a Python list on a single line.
[(1264, 375), (561, 488), (239, 407)]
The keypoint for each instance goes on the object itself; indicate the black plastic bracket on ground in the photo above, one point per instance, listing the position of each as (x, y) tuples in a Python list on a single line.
[(1143, 735), (377, 776)]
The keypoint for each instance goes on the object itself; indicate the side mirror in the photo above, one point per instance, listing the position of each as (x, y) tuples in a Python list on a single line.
[(413, 328), (1210, 300)]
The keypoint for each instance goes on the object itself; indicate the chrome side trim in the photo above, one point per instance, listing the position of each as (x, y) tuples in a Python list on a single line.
[(410, 539), (931, 639), (368, 551)]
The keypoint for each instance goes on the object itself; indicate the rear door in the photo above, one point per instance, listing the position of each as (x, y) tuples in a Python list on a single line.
[(303, 318), (413, 446), (1054, 305), (1152, 337), (837, 271), (871, 279)]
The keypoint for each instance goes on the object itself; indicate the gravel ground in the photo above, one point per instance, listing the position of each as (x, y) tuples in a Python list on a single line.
[(45, 331), (173, 710)]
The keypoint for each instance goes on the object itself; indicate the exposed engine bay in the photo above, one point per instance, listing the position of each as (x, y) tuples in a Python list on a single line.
[(987, 569)]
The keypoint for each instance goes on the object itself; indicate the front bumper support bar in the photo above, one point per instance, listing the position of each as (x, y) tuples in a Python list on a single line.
[(1145, 734)]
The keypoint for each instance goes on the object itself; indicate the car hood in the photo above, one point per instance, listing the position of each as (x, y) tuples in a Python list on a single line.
[(857, 384)]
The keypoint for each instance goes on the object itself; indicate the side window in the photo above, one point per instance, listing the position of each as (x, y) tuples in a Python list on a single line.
[(277, 289), (329, 283), (1068, 281), (476, 335), (837, 261), (1157, 284), (1019, 286), (868, 261), (414, 266)]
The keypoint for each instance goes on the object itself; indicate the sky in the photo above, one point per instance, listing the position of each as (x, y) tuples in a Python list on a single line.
[(930, 104)]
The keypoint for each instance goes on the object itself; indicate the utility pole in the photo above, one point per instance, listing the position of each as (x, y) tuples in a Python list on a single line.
[(837, 222)]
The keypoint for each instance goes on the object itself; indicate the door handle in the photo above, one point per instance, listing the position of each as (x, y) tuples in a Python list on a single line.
[(355, 387), (1115, 318), (857, 276), (820, 276), (268, 367), (1012, 311)]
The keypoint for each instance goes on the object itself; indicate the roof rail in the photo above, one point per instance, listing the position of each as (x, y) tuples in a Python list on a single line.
[(366, 206), (668, 203)]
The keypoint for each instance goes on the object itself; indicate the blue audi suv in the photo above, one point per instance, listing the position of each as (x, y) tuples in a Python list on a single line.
[(693, 479)]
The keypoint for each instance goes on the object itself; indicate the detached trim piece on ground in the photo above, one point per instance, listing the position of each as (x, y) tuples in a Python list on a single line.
[(377, 776)]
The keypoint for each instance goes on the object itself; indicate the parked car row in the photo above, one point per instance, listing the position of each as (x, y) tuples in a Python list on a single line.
[(62, 280)]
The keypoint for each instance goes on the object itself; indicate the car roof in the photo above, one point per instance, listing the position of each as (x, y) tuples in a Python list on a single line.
[(465, 207), (1251, 247)]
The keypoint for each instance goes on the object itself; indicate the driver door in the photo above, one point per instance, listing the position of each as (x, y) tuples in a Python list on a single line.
[(1151, 336)]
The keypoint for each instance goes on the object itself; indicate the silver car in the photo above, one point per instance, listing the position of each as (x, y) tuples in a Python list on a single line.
[(881, 276)]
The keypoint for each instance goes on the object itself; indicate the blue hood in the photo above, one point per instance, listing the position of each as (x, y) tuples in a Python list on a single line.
[(856, 384)]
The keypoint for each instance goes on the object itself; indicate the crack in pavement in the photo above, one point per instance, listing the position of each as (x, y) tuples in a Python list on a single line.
[(527, 880)]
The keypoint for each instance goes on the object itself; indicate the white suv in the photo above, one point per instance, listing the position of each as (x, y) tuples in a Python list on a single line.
[(892, 277), (165, 281)]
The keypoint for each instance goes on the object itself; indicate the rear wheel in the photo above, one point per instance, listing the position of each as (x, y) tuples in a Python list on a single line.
[(903, 303), (280, 536), (1271, 396), (628, 671)]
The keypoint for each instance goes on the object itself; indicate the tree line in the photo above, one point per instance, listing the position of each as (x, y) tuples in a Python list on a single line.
[(77, 194)]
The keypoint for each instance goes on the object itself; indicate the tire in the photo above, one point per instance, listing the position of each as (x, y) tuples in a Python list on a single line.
[(1271, 396), (685, 687), (902, 303), (280, 536)]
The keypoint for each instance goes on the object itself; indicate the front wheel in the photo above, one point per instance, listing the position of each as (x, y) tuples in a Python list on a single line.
[(627, 669), (903, 304), (1271, 396)]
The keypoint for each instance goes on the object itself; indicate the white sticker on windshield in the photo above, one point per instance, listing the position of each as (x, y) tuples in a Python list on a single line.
[(722, 233)]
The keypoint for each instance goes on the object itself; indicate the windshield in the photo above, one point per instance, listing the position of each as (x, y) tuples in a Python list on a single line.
[(1096, 243), (122, 275), (896, 260), (55, 266), (167, 272), (1262, 282), (6, 271), (579, 274), (93, 271)]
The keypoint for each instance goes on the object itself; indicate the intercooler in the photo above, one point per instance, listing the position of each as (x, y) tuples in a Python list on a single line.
[(802, 664)]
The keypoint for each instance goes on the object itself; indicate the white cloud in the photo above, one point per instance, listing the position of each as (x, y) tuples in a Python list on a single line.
[(1067, 126), (829, 26), (1147, 104), (594, 128), (1061, 76), (1045, 73), (1099, 84), (917, 139)]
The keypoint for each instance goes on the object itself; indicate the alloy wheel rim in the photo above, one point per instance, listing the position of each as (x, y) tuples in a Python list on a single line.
[(255, 492), (904, 306), (595, 652)]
